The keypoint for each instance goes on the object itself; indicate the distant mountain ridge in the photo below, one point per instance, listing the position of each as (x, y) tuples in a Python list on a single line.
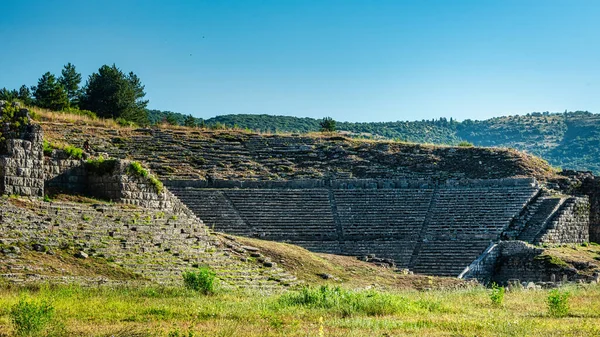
[(570, 140)]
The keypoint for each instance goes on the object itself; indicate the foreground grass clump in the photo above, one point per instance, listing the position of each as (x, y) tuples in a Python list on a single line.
[(203, 280), (31, 318), (558, 303), (497, 294), (347, 303), (144, 311)]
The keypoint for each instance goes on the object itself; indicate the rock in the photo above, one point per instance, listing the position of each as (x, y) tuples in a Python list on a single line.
[(15, 250), (38, 248), (255, 255), (325, 276), (50, 252), (269, 264), (530, 285), (250, 248), (81, 255)]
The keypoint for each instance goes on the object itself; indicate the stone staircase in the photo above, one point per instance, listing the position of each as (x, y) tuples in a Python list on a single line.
[(543, 211)]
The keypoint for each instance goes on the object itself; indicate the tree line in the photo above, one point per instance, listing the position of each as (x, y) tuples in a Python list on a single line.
[(107, 93)]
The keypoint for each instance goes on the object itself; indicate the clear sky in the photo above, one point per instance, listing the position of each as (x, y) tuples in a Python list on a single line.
[(351, 60)]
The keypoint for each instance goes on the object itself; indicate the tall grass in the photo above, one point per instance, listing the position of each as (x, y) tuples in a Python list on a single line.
[(31, 318)]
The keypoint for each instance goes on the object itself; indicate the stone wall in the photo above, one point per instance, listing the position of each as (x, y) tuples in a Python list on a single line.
[(521, 261), (21, 158), (63, 174), (570, 224)]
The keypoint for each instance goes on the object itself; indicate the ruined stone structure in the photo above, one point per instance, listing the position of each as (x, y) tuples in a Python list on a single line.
[(21, 155), (428, 209), (436, 229)]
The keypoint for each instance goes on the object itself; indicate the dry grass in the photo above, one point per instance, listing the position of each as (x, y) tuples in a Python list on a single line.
[(346, 270)]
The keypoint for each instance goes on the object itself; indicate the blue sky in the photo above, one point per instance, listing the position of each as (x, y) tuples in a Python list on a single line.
[(351, 60)]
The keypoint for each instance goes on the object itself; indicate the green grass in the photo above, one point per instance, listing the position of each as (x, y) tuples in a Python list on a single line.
[(136, 169), (156, 311)]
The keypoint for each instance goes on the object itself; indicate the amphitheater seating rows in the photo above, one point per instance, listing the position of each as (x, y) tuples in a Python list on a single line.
[(397, 213), (447, 258), (285, 214), (413, 226)]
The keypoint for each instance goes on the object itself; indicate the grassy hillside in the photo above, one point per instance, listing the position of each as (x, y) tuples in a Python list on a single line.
[(568, 140)]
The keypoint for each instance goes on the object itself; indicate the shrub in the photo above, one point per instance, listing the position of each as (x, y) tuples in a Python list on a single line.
[(100, 166), (123, 122), (78, 112), (31, 318), (48, 148), (47, 198), (558, 303), (73, 152), (344, 302), (136, 169), (327, 124), (497, 295), (203, 280), (465, 144)]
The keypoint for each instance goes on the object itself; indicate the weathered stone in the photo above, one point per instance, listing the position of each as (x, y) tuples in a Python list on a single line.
[(81, 255)]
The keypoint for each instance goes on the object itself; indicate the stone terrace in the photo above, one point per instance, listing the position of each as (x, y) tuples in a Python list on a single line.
[(434, 230), (232, 155)]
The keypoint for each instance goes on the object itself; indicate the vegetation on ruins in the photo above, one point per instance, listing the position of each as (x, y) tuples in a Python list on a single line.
[(71, 151), (203, 280), (136, 169), (100, 166)]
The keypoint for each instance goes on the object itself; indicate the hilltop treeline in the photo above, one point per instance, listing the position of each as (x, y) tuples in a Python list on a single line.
[(570, 140)]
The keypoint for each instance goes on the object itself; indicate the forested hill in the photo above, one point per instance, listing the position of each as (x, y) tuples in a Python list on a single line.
[(570, 140)]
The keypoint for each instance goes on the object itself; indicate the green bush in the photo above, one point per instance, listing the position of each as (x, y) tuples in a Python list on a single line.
[(73, 152), (465, 144), (558, 303), (136, 169), (48, 148), (203, 280), (31, 318), (497, 294), (76, 111), (123, 122), (100, 166)]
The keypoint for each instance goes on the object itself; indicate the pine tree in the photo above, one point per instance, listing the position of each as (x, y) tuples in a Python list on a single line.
[(50, 94), (189, 121), (171, 119), (25, 95), (327, 124), (70, 80), (8, 95), (112, 94)]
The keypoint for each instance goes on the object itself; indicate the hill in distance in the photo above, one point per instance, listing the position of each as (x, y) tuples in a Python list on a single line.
[(569, 140)]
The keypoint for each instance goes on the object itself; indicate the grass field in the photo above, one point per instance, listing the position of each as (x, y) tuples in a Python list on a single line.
[(154, 311)]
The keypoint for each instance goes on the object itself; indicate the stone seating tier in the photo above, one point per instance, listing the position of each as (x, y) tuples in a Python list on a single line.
[(433, 230)]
